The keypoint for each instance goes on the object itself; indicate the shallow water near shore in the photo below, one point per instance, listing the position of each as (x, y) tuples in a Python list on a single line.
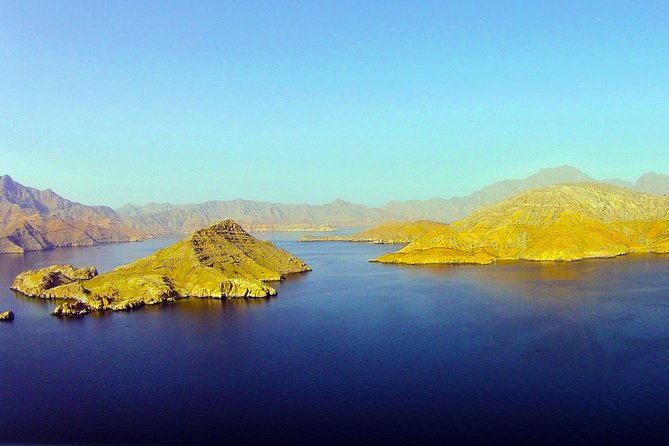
[(352, 352)]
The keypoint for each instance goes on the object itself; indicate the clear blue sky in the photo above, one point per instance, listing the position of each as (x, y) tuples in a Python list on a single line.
[(115, 102)]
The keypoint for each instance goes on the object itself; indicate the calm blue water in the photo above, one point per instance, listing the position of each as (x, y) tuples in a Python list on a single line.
[(350, 353)]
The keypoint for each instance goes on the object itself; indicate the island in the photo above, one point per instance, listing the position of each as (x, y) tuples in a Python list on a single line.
[(220, 261), (557, 223), (387, 233), (6, 316)]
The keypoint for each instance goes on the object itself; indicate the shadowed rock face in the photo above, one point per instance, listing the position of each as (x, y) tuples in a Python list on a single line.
[(34, 220), (563, 223), (221, 261), (387, 233)]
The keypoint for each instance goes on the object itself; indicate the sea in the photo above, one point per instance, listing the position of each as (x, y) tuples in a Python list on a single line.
[(352, 352)]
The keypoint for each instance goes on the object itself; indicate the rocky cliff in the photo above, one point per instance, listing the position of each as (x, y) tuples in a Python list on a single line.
[(564, 223), (220, 261), (34, 220), (387, 233)]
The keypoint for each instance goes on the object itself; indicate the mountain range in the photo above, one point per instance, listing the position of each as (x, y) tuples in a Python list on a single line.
[(168, 218), (32, 220)]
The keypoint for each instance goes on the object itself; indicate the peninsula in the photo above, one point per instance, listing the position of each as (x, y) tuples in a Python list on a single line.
[(387, 233), (35, 220), (220, 261), (558, 223)]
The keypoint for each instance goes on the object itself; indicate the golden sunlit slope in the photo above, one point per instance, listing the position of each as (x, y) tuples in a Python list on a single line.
[(221, 261), (391, 232), (563, 222)]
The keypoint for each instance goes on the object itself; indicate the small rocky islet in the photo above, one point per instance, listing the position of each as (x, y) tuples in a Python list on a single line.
[(221, 261), (6, 316)]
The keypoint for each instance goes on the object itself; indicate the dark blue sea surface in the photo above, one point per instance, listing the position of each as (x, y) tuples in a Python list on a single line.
[(350, 353)]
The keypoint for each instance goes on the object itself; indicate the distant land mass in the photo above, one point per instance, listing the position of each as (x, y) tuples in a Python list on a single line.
[(556, 223), (653, 183), (220, 261), (287, 227), (186, 218), (168, 218), (387, 233), (34, 220)]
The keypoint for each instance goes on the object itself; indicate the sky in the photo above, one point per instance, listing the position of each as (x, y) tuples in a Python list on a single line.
[(305, 102)]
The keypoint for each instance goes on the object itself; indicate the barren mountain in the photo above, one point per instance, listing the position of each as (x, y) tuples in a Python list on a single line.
[(563, 222), (34, 220), (653, 183)]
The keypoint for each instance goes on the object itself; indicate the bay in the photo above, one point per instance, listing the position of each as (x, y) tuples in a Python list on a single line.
[(352, 352)]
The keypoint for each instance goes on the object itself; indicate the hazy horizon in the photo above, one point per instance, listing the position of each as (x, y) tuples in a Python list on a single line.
[(305, 103)]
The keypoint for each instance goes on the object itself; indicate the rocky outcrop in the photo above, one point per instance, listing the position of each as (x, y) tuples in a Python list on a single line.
[(220, 261), (33, 220), (54, 282), (558, 223), (7, 316), (73, 308)]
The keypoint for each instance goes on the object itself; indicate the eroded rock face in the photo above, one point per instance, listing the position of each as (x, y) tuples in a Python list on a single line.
[(57, 281), (221, 261), (74, 308), (7, 316), (559, 223)]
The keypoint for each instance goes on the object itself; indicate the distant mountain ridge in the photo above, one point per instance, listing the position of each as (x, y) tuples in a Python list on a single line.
[(34, 220), (167, 218), (653, 183)]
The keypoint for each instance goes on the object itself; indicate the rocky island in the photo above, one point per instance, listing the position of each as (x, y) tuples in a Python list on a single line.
[(557, 223), (6, 316), (220, 261), (387, 233)]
